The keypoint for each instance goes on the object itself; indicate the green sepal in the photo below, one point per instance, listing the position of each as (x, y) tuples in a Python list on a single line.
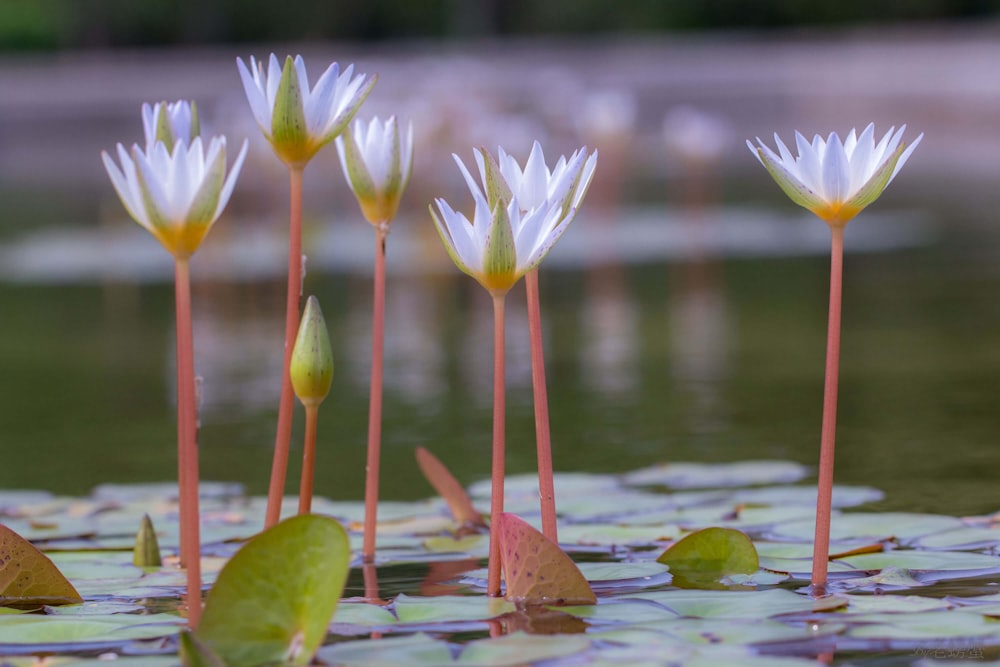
[(357, 170), (206, 200), (496, 186), (875, 185), (500, 255), (289, 133)]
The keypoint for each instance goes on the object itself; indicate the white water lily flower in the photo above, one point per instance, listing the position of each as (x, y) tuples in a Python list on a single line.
[(377, 161), (534, 185), (500, 244), (177, 195), (836, 180), (296, 119), (170, 123)]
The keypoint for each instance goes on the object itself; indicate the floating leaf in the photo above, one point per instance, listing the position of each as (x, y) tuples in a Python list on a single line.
[(147, 549), (273, 600), (27, 576), (521, 649), (448, 488), (448, 608), (709, 475), (98, 628), (701, 559), (741, 604), (536, 569), (194, 652), (419, 650)]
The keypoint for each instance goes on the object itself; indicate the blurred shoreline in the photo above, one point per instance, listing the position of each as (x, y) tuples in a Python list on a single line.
[(58, 111)]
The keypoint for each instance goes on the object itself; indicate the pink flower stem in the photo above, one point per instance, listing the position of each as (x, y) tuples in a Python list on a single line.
[(824, 497), (499, 417), (187, 445), (371, 582), (279, 466), (375, 401), (543, 441), (308, 461)]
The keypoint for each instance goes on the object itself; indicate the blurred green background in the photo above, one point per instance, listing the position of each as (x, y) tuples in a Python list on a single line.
[(71, 24)]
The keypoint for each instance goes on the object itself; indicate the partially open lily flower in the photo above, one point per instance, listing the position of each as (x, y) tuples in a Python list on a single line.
[(534, 185), (834, 179), (170, 122), (502, 242), (296, 119), (377, 160), (177, 195)]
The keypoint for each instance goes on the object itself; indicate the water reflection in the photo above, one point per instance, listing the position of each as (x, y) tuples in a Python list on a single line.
[(610, 324)]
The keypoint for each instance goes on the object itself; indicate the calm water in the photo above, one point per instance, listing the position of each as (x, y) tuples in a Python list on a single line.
[(648, 361)]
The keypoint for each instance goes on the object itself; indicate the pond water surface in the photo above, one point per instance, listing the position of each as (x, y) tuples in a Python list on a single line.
[(652, 356)]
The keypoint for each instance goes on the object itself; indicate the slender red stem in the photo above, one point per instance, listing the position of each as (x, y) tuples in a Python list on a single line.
[(499, 417), (824, 497), (187, 434), (371, 582), (543, 441), (375, 401), (308, 461), (279, 467)]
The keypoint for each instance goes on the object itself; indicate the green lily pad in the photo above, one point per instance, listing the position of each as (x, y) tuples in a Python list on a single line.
[(843, 496), (361, 614), (901, 526), (33, 629), (419, 650), (716, 475), (273, 600), (625, 611), (931, 625), (701, 559), (933, 565), (448, 608), (520, 648), (740, 604)]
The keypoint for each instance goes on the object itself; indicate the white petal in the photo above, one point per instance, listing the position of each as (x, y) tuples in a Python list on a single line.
[(836, 174), (234, 173)]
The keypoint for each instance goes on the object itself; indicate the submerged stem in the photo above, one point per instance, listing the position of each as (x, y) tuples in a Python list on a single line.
[(499, 417), (187, 445), (308, 461), (824, 497), (375, 401), (543, 441), (279, 466)]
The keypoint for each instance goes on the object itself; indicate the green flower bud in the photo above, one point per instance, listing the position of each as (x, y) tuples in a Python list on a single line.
[(147, 548), (312, 361)]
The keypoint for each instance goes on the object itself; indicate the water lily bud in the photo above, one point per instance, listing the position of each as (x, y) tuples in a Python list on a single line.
[(312, 360), (147, 548), (377, 160), (170, 123)]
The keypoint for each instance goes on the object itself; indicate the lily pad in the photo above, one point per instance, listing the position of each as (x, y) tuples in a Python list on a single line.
[(448, 608), (27, 576), (419, 650), (273, 600), (536, 570), (703, 558), (519, 649), (715, 475)]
